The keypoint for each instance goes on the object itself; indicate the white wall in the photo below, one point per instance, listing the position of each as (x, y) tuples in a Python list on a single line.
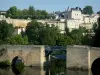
[(76, 14), (73, 24)]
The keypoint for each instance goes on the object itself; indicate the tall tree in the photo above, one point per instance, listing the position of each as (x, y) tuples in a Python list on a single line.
[(49, 35), (31, 10), (39, 33), (6, 30), (88, 10), (12, 11), (32, 31), (96, 38)]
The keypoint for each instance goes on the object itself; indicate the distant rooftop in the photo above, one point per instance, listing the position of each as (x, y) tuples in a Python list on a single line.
[(3, 12)]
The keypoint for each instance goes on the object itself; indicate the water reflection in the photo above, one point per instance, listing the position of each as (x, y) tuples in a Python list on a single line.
[(40, 71), (57, 67), (78, 72), (28, 71), (17, 71)]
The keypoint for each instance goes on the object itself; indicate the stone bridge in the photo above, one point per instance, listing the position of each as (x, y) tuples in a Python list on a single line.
[(31, 55), (34, 55)]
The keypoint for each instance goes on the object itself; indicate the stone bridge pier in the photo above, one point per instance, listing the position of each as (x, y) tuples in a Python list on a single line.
[(81, 56), (32, 55)]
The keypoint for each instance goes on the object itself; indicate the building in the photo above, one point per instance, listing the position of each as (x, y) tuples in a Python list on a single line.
[(71, 18), (75, 19), (3, 12), (18, 30)]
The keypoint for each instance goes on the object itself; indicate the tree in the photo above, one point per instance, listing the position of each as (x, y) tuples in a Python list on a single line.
[(86, 40), (31, 13), (79, 36), (17, 39), (19, 14), (41, 34), (32, 31), (70, 41), (6, 30), (95, 26), (96, 38), (62, 40), (49, 35), (25, 11), (31, 10), (88, 10), (12, 12)]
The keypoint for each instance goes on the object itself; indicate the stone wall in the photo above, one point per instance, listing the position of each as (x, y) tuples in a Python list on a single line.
[(31, 54), (77, 57), (81, 56), (94, 54)]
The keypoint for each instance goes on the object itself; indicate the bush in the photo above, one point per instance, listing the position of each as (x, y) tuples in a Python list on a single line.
[(5, 63)]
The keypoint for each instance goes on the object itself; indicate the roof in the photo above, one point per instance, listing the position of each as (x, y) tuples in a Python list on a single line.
[(2, 11)]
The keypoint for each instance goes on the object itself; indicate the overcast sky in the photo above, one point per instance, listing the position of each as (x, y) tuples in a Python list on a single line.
[(49, 5)]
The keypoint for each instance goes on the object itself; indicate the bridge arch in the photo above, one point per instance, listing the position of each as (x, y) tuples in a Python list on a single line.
[(95, 67), (17, 59)]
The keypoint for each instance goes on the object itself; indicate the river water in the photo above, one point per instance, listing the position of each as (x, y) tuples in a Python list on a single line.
[(55, 67), (41, 71)]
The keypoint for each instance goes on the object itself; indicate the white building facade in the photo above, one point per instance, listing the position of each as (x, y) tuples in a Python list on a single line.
[(75, 19)]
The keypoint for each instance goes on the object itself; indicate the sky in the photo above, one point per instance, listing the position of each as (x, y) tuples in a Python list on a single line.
[(50, 5)]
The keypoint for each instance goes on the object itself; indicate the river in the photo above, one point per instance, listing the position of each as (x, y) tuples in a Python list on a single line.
[(55, 67), (41, 71)]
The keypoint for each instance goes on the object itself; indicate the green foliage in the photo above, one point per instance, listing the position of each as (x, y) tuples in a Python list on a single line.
[(12, 11), (18, 39), (78, 37), (69, 40), (5, 63), (57, 66), (31, 10), (61, 40), (19, 66), (32, 31), (49, 35), (88, 10), (96, 38), (39, 33), (31, 13), (94, 27), (86, 40), (6, 30)]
